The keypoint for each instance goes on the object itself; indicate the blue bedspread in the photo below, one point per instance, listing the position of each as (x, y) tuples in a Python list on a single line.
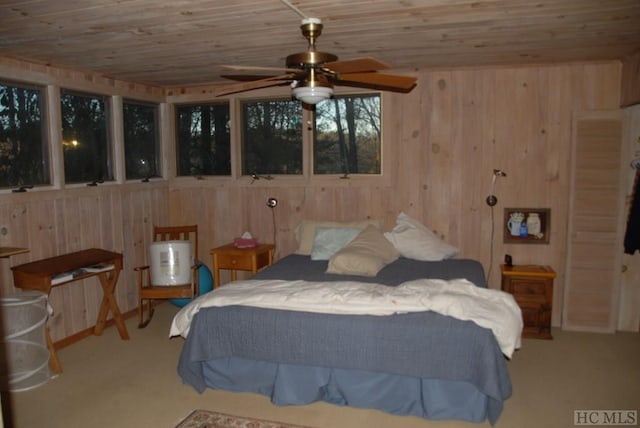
[(423, 345)]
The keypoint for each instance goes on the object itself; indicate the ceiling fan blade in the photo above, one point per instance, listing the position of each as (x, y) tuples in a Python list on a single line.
[(385, 82), (258, 68), (356, 65), (284, 79), (245, 77)]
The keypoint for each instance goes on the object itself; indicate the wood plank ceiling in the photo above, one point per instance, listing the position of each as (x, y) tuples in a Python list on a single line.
[(184, 42)]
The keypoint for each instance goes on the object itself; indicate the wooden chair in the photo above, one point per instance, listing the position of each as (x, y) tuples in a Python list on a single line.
[(149, 292)]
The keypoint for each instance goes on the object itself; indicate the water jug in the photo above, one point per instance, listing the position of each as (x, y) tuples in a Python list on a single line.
[(533, 224), (514, 223)]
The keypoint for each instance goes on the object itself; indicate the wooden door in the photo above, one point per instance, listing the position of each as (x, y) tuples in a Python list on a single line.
[(595, 228)]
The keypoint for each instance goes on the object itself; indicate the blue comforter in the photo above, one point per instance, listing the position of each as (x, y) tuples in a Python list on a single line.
[(423, 345)]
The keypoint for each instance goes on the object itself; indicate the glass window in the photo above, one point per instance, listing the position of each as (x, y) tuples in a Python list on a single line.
[(272, 137), (140, 123), (348, 135), (204, 139), (24, 159), (87, 155)]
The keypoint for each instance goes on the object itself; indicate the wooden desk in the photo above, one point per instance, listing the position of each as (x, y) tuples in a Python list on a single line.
[(37, 276), (234, 259)]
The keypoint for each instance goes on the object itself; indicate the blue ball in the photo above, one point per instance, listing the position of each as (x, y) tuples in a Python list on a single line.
[(205, 283)]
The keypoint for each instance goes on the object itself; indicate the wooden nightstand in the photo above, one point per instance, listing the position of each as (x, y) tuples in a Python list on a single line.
[(532, 287), (234, 259)]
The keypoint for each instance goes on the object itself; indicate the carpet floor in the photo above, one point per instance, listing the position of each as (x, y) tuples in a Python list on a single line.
[(108, 382)]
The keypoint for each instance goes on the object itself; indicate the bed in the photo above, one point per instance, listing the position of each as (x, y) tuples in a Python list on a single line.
[(416, 362)]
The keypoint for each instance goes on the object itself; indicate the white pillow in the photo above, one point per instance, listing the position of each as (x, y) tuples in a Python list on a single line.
[(366, 255), (414, 241), (329, 240), (305, 232)]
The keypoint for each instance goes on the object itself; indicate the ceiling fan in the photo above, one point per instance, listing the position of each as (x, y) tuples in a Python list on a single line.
[(313, 74)]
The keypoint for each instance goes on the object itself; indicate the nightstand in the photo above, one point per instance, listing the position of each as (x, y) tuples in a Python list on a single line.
[(532, 288), (231, 258)]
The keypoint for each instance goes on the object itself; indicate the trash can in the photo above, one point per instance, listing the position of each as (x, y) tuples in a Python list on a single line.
[(24, 361)]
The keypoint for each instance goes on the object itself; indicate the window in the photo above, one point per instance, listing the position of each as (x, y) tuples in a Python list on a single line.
[(87, 155), (348, 135), (24, 158), (203, 140), (140, 123), (272, 137)]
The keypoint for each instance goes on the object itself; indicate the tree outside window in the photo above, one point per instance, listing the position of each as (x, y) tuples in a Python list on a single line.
[(87, 154), (348, 135), (204, 139), (140, 123), (24, 158), (271, 137)]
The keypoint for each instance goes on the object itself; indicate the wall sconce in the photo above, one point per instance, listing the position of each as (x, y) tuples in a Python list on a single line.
[(492, 200), (272, 202)]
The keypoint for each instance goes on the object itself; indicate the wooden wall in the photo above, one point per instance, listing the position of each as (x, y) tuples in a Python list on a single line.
[(446, 137), (443, 141), (630, 88), (48, 223)]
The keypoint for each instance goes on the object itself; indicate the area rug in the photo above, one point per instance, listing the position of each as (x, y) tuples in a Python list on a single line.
[(209, 419)]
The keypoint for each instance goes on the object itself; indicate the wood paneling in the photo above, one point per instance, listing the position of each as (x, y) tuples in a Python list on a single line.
[(185, 43), (630, 89), (114, 217), (443, 141)]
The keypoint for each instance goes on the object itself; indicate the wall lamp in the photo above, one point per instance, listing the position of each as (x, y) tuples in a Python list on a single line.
[(492, 200)]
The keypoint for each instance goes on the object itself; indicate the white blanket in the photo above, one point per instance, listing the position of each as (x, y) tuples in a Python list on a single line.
[(459, 298)]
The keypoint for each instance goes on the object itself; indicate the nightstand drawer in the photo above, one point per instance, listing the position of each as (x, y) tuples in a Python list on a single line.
[(232, 261), (530, 299), (525, 286)]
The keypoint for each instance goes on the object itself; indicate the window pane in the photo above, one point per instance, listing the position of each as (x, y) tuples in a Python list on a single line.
[(23, 156), (348, 135), (87, 155), (272, 137), (204, 139), (140, 140)]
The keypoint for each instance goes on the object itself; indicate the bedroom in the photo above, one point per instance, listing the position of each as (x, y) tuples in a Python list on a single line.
[(442, 142)]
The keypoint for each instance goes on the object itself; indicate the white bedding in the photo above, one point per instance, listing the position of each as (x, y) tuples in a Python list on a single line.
[(459, 298)]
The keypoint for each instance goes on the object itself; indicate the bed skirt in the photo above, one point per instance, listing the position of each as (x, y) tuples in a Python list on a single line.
[(288, 384)]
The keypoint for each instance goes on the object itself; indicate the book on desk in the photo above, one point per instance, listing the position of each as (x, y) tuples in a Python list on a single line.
[(68, 276)]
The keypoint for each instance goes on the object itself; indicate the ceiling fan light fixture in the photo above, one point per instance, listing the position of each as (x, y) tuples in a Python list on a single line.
[(312, 94)]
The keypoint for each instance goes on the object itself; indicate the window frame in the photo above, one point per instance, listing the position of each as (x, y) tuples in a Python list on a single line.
[(112, 160), (159, 161), (308, 178), (174, 136), (45, 138), (240, 135), (350, 174)]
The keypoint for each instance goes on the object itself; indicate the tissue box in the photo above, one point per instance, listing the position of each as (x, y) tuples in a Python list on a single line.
[(245, 242)]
